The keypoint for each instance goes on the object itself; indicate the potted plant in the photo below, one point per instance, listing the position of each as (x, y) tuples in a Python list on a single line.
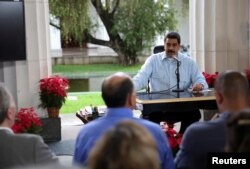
[(53, 92), (210, 78), (247, 72), (174, 138), (27, 121)]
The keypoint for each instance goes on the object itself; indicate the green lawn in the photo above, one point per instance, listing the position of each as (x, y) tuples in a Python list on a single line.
[(94, 69), (76, 101)]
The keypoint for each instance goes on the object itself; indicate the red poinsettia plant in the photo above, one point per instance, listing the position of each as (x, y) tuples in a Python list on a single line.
[(174, 139), (53, 91), (210, 78), (27, 121), (247, 71)]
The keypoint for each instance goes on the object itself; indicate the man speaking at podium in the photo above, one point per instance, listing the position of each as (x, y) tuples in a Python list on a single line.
[(160, 73)]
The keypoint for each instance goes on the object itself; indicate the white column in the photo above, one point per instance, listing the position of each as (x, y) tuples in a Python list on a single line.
[(22, 76), (209, 36), (219, 34), (55, 38), (182, 21)]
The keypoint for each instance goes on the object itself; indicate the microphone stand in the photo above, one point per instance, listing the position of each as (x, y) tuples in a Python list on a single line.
[(148, 87), (177, 77)]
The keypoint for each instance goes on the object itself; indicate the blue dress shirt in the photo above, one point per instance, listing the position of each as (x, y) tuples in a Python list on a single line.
[(93, 130), (160, 70)]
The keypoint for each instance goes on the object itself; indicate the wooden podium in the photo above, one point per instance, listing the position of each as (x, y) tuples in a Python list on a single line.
[(171, 101)]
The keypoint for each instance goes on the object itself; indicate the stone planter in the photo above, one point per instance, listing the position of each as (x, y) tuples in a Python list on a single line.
[(51, 129)]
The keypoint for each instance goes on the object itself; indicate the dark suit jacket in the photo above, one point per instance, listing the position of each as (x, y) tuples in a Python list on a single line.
[(199, 139), (23, 149)]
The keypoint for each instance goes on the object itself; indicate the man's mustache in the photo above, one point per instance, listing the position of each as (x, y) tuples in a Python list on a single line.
[(171, 51)]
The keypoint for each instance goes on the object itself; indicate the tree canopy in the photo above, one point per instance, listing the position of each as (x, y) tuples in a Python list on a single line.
[(132, 25)]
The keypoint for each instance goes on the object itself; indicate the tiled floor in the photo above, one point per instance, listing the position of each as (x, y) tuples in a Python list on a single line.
[(70, 126)]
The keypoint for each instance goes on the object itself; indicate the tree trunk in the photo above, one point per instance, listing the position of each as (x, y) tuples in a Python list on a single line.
[(126, 57)]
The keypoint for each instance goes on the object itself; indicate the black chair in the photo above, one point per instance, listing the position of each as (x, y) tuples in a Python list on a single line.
[(158, 49)]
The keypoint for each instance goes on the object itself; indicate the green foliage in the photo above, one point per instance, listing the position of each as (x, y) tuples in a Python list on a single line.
[(73, 17), (34, 129), (50, 100), (140, 21), (185, 7), (144, 21), (131, 25)]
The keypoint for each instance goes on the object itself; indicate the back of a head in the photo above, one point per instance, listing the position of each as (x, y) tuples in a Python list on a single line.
[(115, 90), (126, 146), (233, 85), (5, 101), (239, 132)]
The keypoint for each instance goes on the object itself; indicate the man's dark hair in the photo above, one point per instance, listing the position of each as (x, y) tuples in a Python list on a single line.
[(115, 94), (173, 35), (232, 84)]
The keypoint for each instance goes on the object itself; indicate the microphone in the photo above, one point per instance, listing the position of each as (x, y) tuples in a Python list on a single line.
[(176, 59)]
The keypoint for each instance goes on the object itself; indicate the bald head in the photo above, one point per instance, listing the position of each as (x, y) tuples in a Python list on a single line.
[(116, 89), (233, 85)]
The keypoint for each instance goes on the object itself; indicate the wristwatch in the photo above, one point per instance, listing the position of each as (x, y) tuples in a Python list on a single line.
[(202, 86)]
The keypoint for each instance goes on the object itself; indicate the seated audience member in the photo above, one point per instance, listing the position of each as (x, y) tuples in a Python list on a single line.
[(119, 96), (239, 132), (232, 95), (19, 149), (126, 145)]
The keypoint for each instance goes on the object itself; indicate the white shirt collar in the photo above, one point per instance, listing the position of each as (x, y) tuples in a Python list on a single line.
[(164, 56)]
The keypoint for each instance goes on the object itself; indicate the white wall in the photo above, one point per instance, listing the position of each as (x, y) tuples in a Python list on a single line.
[(22, 77)]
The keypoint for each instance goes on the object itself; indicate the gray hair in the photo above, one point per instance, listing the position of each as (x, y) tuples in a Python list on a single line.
[(5, 101)]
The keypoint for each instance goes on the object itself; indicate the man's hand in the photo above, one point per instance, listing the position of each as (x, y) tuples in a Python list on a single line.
[(197, 87)]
